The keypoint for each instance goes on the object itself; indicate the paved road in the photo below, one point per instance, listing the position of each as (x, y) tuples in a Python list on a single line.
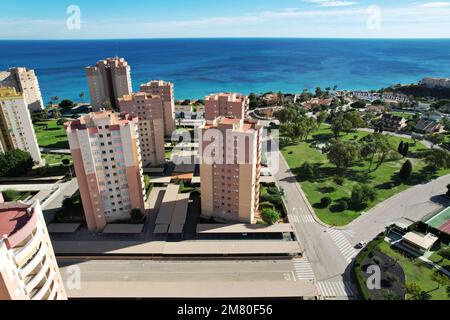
[(412, 204), (331, 250), (187, 279), (319, 241)]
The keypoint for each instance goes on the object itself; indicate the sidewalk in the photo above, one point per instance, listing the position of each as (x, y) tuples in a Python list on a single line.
[(183, 248)]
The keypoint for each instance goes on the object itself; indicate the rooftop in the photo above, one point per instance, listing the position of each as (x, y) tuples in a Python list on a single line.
[(8, 93), (230, 96), (13, 217), (424, 241), (92, 120), (133, 96), (238, 124)]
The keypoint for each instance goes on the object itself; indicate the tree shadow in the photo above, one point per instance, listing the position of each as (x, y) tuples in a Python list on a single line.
[(326, 189)]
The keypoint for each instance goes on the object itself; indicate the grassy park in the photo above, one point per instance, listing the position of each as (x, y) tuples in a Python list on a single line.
[(324, 184), (55, 159), (416, 271), (51, 135)]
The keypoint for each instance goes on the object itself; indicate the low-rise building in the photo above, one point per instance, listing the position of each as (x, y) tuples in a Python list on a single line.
[(426, 126), (390, 122), (419, 242), (28, 266), (376, 109), (435, 82)]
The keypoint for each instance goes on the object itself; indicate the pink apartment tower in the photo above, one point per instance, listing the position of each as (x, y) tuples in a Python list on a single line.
[(165, 91), (230, 169), (106, 154), (149, 109), (108, 80), (233, 105)]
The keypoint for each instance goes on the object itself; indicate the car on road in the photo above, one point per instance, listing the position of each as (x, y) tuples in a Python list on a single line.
[(282, 192), (361, 245)]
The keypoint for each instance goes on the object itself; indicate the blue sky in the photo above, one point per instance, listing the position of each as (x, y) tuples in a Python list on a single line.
[(100, 19)]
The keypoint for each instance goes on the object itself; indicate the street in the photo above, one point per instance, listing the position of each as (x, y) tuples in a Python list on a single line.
[(186, 279)]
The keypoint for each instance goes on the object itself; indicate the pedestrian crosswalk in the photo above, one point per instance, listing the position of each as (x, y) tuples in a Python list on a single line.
[(343, 244), (303, 270), (334, 289), (303, 218)]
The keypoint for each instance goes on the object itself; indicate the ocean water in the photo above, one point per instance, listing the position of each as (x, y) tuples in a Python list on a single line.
[(202, 66)]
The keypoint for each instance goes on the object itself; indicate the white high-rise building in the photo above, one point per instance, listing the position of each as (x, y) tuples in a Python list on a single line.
[(24, 81), (16, 127)]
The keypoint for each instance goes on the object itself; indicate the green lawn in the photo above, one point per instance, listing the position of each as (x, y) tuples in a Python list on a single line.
[(51, 135), (441, 260), (323, 185), (405, 115), (416, 271), (55, 159)]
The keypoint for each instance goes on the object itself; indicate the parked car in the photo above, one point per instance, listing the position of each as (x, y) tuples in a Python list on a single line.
[(361, 245)]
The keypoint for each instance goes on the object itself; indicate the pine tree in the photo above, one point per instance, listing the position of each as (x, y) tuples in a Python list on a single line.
[(405, 171), (405, 149), (400, 147)]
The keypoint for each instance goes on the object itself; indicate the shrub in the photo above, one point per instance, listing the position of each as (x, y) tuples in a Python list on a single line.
[(325, 202), (306, 170), (343, 205), (273, 190), (61, 122), (14, 163), (270, 216), (272, 198), (137, 216), (377, 260), (10, 195), (266, 205), (362, 194), (339, 180)]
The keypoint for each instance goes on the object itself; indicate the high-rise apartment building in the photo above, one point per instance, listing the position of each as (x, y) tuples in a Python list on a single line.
[(233, 105), (106, 154), (108, 81), (28, 267), (16, 127), (166, 92), (230, 157), (24, 81), (149, 110)]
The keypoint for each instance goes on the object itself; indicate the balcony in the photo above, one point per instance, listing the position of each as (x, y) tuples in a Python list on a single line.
[(54, 292), (33, 263), (40, 293), (36, 279), (23, 253)]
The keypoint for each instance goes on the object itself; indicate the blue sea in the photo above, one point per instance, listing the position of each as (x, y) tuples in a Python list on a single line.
[(202, 66)]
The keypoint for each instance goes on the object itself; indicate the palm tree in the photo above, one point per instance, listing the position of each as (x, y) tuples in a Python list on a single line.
[(82, 96), (55, 99)]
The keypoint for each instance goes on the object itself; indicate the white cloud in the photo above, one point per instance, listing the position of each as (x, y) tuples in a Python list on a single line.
[(331, 3), (435, 5), (398, 22)]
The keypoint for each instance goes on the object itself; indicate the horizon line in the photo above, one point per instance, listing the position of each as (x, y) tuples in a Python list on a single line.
[(219, 38)]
